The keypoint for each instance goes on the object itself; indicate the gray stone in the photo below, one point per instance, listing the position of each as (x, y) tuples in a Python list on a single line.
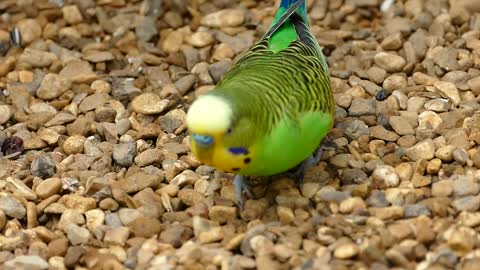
[(27, 262), (239, 42), (340, 113), (361, 107), (464, 187), (353, 176), (76, 234), (124, 153), (333, 196), (377, 199), (146, 29), (113, 220), (185, 83), (123, 90), (192, 57), (218, 69), (12, 207), (128, 215), (415, 210), (93, 101), (370, 87), (172, 120), (468, 203), (355, 129), (157, 76), (43, 166)]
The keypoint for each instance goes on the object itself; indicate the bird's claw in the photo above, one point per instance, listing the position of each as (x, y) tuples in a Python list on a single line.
[(313, 159), (240, 187)]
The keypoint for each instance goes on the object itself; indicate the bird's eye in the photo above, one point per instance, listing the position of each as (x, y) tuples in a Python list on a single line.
[(229, 131)]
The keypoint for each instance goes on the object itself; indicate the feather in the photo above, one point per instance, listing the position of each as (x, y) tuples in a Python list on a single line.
[(283, 18)]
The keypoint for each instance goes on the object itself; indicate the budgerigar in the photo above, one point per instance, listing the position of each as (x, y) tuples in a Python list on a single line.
[(271, 110)]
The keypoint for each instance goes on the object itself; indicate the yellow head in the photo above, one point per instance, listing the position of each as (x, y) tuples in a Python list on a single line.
[(210, 121)]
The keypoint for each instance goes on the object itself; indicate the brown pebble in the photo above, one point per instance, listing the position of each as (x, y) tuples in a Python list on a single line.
[(58, 247), (117, 236), (78, 202), (73, 255), (108, 204), (222, 214), (190, 197), (48, 187), (3, 219), (145, 227), (46, 202), (32, 221)]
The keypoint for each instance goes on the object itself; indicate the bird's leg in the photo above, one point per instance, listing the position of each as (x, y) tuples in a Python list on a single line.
[(312, 160), (241, 186)]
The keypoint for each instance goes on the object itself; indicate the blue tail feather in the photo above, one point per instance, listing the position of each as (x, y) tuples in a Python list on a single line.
[(302, 10), (290, 18)]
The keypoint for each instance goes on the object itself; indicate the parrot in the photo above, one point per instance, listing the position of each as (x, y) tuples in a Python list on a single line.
[(271, 110)]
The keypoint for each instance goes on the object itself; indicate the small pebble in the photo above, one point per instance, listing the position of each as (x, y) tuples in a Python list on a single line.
[(6, 113), (48, 187), (389, 61), (43, 166), (149, 103), (224, 18), (386, 175), (76, 234), (123, 154), (346, 251)]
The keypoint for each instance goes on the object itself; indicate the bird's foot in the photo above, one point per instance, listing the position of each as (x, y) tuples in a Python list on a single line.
[(241, 186), (327, 144), (313, 159)]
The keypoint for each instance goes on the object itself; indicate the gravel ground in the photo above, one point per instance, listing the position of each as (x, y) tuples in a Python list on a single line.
[(97, 173)]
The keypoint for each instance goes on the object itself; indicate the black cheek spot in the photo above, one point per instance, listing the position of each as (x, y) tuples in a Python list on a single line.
[(247, 160), (236, 169)]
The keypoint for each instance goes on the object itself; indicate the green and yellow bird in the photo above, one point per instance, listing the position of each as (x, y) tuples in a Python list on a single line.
[(272, 109)]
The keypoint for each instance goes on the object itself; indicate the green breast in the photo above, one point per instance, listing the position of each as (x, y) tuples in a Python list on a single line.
[(289, 144)]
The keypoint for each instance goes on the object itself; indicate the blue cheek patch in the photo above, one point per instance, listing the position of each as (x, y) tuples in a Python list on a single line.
[(238, 150), (203, 140)]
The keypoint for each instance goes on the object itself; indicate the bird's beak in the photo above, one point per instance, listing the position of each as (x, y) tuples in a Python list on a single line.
[(203, 153)]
